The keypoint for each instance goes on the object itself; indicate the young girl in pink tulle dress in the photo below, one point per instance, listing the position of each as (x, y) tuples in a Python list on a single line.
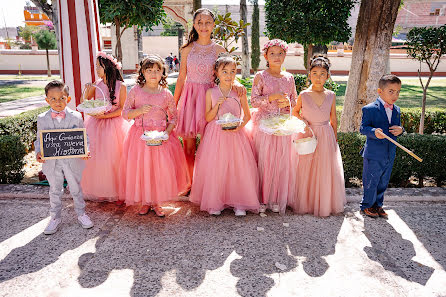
[(273, 92), (152, 175), (198, 56), (106, 133), (226, 171), (320, 186)]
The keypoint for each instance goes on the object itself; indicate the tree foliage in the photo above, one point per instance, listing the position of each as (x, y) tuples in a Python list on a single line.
[(227, 31), (309, 22), (427, 45), (45, 39), (255, 37), (129, 13)]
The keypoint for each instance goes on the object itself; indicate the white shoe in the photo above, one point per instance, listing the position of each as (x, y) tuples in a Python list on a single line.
[(262, 208), (275, 208), (85, 221), (52, 227), (240, 212), (215, 213)]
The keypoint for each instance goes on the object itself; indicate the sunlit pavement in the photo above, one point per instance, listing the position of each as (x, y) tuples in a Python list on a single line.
[(189, 253)]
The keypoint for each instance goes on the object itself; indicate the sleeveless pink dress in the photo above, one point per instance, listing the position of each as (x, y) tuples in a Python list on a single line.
[(320, 188), (192, 105), (274, 153), (225, 173), (151, 175), (100, 179)]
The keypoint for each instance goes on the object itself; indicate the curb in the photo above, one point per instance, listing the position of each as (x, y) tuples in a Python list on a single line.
[(353, 195)]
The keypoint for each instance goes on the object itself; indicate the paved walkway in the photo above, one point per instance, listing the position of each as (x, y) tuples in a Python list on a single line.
[(189, 253)]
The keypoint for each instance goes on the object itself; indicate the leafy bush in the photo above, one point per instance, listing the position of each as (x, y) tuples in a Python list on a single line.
[(12, 152), (429, 147), (301, 81), (23, 125)]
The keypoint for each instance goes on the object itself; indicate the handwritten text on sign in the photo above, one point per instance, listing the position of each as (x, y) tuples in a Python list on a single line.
[(63, 143)]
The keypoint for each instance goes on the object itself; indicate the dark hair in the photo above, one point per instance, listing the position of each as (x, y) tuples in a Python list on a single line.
[(388, 79), (112, 74), (149, 62), (222, 60), (320, 61), (57, 84), (193, 35)]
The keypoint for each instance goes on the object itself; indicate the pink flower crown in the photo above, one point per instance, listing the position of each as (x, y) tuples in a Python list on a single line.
[(111, 58), (276, 42)]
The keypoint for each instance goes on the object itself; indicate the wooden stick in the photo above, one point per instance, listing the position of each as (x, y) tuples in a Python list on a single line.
[(400, 146)]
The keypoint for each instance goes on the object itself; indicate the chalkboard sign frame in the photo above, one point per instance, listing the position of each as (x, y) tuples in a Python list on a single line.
[(42, 150)]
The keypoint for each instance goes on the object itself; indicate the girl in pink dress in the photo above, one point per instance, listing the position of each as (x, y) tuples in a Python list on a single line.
[(226, 170), (106, 133), (272, 92), (152, 175), (320, 186), (198, 56)]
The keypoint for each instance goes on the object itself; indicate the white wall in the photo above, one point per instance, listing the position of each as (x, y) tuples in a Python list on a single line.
[(28, 60)]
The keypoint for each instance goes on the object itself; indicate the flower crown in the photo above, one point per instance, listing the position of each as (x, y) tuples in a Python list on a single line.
[(276, 42), (111, 58)]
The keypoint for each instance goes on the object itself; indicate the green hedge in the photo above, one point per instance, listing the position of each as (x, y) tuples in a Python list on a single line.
[(23, 125), (434, 121), (429, 147), (12, 152)]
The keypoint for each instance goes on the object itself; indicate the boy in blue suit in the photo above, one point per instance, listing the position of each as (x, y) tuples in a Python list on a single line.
[(384, 116), (61, 117)]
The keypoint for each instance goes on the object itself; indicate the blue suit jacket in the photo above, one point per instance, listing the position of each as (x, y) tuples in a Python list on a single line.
[(374, 116)]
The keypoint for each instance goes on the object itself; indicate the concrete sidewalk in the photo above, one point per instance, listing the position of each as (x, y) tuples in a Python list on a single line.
[(190, 253)]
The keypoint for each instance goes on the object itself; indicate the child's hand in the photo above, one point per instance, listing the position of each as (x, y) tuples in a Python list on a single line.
[(87, 157), (379, 135), (283, 101), (239, 89), (396, 130), (39, 158), (221, 100), (275, 96), (145, 108)]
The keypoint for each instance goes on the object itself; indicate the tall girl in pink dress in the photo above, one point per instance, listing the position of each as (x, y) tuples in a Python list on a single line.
[(198, 56), (272, 92), (226, 170), (106, 133), (320, 186), (152, 175)]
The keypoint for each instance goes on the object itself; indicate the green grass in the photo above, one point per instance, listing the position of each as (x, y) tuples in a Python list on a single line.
[(14, 92), (411, 94)]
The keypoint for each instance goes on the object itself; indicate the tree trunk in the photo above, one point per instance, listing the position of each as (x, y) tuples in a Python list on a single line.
[(118, 49), (197, 4), (140, 48), (369, 59), (308, 49), (245, 46), (255, 38), (423, 102), (48, 63)]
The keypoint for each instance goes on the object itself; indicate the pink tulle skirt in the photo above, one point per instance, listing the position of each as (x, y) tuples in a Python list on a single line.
[(277, 172), (320, 188), (225, 172), (100, 179), (152, 175), (191, 110)]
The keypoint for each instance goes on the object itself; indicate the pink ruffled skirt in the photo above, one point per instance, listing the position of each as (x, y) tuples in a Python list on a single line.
[(152, 175), (100, 179)]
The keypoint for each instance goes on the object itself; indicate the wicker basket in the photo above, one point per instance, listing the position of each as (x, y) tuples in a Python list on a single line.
[(306, 145), (154, 141), (233, 124), (95, 110)]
